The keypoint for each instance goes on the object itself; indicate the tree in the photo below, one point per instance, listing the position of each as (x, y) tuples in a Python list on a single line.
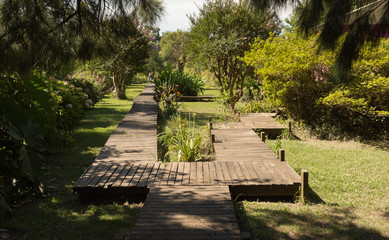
[(366, 25), (174, 48), (126, 49), (220, 35), (47, 34)]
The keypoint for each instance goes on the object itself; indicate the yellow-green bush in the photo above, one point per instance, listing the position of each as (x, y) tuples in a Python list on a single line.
[(297, 78)]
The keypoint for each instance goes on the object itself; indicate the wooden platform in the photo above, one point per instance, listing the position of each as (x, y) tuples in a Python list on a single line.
[(185, 200), (177, 212), (107, 175), (241, 145), (260, 121), (196, 98)]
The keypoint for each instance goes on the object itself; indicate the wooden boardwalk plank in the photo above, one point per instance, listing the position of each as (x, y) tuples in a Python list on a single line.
[(186, 175), (203, 213), (138, 174), (122, 175), (107, 175), (153, 175)]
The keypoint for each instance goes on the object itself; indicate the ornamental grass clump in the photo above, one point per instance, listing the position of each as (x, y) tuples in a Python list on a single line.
[(182, 140)]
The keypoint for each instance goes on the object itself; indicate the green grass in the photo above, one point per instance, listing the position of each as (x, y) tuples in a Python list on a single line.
[(349, 195), (60, 215)]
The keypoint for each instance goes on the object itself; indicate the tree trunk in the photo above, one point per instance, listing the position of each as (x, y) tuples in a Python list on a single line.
[(119, 85)]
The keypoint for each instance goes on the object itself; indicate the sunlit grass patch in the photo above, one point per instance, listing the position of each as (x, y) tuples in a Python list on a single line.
[(349, 193)]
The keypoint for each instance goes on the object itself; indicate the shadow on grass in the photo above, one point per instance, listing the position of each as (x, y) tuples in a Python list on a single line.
[(266, 222), (64, 218), (60, 215)]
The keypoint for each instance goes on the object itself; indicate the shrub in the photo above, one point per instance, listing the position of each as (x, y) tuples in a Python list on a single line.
[(187, 84), (36, 114), (297, 78), (181, 139)]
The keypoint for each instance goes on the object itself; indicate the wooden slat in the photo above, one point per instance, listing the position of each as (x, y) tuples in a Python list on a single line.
[(199, 173), (180, 174), (193, 174), (206, 174), (87, 174), (213, 174), (173, 174), (159, 175), (156, 167), (146, 175), (137, 175), (114, 176), (232, 171), (107, 175), (186, 175), (165, 177), (129, 176), (220, 176), (226, 173), (98, 174), (122, 175)]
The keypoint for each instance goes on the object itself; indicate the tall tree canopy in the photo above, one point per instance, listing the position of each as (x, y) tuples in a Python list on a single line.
[(219, 36), (174, 48), (45, 34), (366, 25)]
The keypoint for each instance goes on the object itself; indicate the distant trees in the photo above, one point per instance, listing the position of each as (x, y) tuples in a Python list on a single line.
[(174, 48), (219, 36), (366, 26)]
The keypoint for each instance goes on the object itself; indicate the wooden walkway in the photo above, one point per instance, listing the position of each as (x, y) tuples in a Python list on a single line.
[(260, 121), (135, 139), (185, 200), (227, 173), (240, 145), (173, 212)]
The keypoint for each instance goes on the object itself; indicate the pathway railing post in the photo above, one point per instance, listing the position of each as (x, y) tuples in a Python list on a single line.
[(304, 185), (281, 155), (213, 139), (263, 136)]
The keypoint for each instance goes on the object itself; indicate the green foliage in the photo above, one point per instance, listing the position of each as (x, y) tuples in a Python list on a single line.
[(94, 72), (36, 113), (49, 34), (174, 48), (181, 139), (294, 75), (219, 36), (126, 53), (83, 221), (187, 84), (296, 78), (366, 26)]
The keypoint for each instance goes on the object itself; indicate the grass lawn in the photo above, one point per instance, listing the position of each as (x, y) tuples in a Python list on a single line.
[(60, 215), (349, 196)]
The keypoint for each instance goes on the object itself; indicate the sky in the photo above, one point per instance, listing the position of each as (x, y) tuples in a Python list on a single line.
[(176, 11)]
